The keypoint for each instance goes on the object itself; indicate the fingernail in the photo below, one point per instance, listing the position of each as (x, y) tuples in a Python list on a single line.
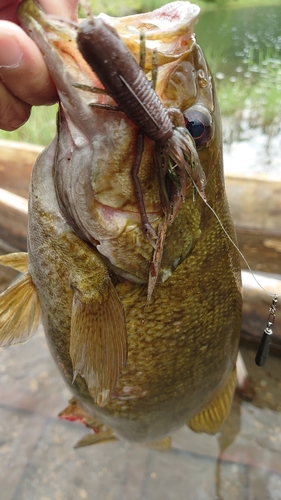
[(11, 52)]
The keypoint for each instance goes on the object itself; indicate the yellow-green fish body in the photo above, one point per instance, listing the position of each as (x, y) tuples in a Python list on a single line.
[(142, 369)]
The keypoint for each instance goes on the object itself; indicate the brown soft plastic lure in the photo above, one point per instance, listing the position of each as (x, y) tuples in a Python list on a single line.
[(123, 78)]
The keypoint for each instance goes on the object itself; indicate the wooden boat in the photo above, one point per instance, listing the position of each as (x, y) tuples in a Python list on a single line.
[(256, 208), (255, 204)]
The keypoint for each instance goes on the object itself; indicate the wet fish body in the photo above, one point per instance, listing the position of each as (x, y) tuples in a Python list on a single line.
[(142, 369)]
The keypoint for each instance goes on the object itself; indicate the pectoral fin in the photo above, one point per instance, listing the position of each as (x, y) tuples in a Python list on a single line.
[(211, 418), (18, 261), (19, 311), (98, 341)]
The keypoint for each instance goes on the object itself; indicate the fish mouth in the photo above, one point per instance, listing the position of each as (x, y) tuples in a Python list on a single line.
[(169, 29), (167, 21)]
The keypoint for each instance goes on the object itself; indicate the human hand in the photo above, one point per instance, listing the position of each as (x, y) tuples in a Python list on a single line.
[(24, 77)]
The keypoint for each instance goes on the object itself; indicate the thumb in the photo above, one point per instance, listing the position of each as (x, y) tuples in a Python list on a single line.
[(24, 77)]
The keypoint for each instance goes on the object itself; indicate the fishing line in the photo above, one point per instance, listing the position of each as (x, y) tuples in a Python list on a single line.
[(238, 250), (265, 342)]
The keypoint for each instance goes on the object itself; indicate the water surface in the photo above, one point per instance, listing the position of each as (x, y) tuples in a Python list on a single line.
[(239, 35), (236, 43)]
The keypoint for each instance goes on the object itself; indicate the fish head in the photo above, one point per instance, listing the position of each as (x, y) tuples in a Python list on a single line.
[(97, 143), (184, 80)]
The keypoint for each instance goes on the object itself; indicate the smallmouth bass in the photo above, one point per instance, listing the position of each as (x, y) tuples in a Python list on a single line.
[(141, 368)]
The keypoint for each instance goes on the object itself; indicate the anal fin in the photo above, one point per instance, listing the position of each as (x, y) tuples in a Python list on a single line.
[(211, 418)]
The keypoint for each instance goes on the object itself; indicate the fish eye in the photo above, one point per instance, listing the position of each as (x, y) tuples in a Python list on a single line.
[(199, 123)]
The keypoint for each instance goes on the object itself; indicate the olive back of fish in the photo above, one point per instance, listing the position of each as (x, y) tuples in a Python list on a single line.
[(123, 79)]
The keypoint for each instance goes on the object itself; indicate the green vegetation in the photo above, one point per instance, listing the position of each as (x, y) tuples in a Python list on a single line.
[(255, 95), (251, 3), (124, 7), (40, 128), (234, 4)]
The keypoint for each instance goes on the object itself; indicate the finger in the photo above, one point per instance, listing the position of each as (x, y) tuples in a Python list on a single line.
[(22, 67), (24, 78), (13, 111)]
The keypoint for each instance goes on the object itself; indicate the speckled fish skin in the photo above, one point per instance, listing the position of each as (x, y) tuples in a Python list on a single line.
[(83, 219)]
